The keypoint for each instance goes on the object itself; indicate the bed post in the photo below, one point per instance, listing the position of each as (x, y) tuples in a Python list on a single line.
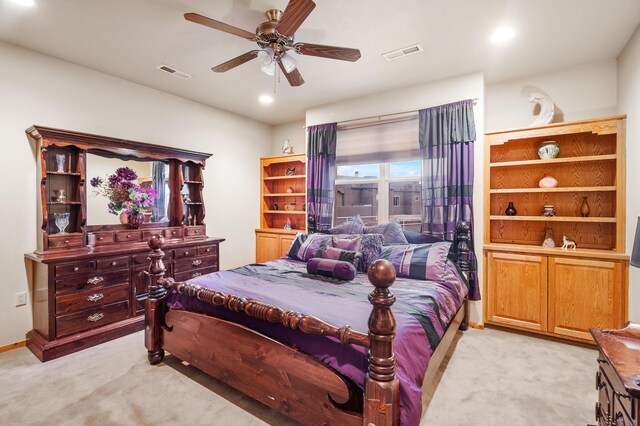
[(381, 390), (463, 239), (155, 305)]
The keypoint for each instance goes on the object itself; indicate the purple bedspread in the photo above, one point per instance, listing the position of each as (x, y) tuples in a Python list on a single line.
[(423, 309)]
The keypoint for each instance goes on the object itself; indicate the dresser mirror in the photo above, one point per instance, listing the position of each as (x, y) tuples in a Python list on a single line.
[(142, 178)]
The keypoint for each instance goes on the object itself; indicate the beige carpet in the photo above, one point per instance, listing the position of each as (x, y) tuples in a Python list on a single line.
[(492, 378)]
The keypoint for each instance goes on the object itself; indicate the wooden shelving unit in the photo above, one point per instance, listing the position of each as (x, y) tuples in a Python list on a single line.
[(283, 184), (549, 290)]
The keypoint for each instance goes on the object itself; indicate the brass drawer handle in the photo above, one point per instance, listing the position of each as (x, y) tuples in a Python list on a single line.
[(195, 274), (95, 317), (196, 262), (95, 297), (603, 361), (621, 395), (95, 280)]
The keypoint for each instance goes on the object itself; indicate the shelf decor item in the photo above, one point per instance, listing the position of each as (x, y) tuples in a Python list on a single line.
[(124, 195), (61, 221), (288, 224), (274, 206), (60, 163), (568, 244), (548, 150), (548, 181), (584, 208), (289, 190), (548, 238), (510, 211), (286, 148), (290, 171), (548, 210), (547, 109)]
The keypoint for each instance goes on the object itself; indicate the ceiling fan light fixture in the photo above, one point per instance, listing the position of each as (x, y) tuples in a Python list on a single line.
[(288, 62), (265, 56), (268, 69)]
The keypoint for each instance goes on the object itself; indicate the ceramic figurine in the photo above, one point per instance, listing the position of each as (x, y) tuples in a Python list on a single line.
[(567, 243), (547, 108), (288, 224), (274, 206), (290, 171), (286, 148), (548, 238), (548, 210)]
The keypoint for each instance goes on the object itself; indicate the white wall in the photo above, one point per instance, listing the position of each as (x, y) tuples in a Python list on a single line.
[(295, 132), (579, 92), (414, 98), (629, 103), (37, 89)]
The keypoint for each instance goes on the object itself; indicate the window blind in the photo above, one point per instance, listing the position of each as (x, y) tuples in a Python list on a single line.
[(379, 142)]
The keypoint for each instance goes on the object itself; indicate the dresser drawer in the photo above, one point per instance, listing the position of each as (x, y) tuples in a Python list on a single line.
[(183, 252), (113, 263), (207, 250), (92, 318), (97, 280), (183, 276), (144, 259), (100, 238), (173, 233), (620, 396), (132, 236), (73, 302), (65, 240), (75, 268), (197, 263), (194, 231)]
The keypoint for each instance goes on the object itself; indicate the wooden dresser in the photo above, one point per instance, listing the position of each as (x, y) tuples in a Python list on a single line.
[(88, 282), (618, 376), (548, 290)]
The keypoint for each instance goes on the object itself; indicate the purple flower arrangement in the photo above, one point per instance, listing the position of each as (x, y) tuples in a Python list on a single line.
[(124, 195)]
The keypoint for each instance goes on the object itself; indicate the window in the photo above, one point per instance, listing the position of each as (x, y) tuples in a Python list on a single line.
[(379, 193)]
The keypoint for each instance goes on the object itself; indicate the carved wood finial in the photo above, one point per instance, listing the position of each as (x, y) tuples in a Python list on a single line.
[(155, 304), (463, 239), (382, 324)]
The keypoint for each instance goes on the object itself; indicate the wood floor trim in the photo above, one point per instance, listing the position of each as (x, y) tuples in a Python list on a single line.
[(12, 346)]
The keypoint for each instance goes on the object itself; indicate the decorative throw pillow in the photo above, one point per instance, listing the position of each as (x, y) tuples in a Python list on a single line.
[(309, 248), (391, 231), (418, 261), (295, 245), (352, 243), (339, 254), (420, 238), (331, 268), (353, 226), (370, 247)]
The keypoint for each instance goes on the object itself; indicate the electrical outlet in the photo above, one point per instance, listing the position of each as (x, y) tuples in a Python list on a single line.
[(21, 298)]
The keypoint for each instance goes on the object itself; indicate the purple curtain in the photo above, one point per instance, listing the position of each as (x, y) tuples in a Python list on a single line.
[(446, 137), (321, 173)]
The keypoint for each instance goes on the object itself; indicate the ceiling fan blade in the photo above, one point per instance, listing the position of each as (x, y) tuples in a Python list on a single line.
[(232, 63), (217, 25), (294, 15), (294, 78), (332, 52)]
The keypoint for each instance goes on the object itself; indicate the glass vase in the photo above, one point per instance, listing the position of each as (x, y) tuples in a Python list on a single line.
[(510, 211), (60, 162), (135, 220), (584, 208), (62, 221)]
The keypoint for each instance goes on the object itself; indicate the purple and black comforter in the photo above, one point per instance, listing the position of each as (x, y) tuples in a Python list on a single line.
[(423, 310)]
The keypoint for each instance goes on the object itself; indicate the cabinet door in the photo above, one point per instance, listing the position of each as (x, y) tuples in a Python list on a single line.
[(285, 244), (584, 293), (267, 247), (517, 290)]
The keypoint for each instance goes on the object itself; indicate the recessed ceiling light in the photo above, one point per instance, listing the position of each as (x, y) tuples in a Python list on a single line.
[(502, 35), (266, 99), (25, 3)]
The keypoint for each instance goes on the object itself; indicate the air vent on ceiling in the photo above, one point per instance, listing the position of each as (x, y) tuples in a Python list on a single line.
[(401, 53), (173, 71)]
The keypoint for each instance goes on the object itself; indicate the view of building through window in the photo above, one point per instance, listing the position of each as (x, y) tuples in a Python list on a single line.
[(379, 193)]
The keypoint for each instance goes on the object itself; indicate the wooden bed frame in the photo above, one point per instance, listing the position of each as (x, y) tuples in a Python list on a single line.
[(277, 375)]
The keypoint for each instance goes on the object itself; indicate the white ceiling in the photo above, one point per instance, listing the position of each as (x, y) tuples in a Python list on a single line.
[(129, 38)]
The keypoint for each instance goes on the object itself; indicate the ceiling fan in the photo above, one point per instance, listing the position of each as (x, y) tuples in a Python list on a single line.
[(275, 39)]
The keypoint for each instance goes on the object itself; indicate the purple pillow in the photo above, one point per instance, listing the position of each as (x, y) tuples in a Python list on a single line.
[(352, 243), (331, 268), (310, 247), (350, 256), (353, 226), (391, 231), (295, 246), (418, 261), (370, 247)]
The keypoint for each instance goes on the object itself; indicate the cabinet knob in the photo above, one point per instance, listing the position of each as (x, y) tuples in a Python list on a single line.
[(76, 269), (95, 317), (128, 235), (173, 232), (186, 253), (66, 241), (100, 238), (114, 263), (208, 249)]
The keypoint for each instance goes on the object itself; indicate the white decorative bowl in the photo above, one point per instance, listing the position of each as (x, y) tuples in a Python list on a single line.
[(548, 150)]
